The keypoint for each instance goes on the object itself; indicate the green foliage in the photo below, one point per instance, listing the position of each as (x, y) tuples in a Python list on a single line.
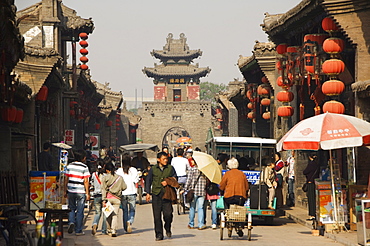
[(208, 91), (134, 110)]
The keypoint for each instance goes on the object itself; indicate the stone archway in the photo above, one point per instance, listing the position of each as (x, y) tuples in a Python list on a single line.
[(170, 137)]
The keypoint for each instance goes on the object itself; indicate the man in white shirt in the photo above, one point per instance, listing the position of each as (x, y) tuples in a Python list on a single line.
[(180, 164), (291, 179)]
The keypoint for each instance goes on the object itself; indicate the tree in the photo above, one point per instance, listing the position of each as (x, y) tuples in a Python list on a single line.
[(208, 91)]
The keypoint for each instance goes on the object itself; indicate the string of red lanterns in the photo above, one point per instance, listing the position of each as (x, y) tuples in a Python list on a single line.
[(333, 67), (84, 44)]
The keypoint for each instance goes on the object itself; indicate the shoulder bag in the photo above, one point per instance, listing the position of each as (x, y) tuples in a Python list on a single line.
[(189, 197)]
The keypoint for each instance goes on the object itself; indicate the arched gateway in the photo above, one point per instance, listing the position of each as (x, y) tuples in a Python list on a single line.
[(170, 139)]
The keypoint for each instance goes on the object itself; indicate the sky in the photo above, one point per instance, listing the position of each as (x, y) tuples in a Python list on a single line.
[(126, 31)]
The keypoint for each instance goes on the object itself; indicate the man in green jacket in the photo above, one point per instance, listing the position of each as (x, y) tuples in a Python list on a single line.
[(154, 188)]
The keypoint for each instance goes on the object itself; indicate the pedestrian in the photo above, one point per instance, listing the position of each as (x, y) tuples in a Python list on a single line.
[(154, 187), (222, 159), (111, 153), (234, 183), (103, 152), (269, 179), (165, 149), (112, 187), (196, 181), (212, 200), (181, 165), (77, 190), (128, 200), (311, 172), (140, 162), (98, 201), (291, 179), (45, 159), (280, 175)]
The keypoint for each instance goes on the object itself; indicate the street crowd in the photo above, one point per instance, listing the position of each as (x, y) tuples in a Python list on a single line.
[(114, 186)]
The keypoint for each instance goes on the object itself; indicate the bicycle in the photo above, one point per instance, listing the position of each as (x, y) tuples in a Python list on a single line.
[(140, 186), (180, 200), (13, 221)]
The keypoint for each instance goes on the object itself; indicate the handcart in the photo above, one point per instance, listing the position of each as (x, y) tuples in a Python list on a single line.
[(238, 218)]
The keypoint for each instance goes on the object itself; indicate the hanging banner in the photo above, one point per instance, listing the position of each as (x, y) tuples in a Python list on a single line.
[(69, 137)]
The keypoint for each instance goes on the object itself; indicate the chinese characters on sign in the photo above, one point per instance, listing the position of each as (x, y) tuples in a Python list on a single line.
[(69, 137)]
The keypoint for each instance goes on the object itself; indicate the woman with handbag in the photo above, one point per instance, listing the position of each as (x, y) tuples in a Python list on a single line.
[(311, 172), (112, 187), (196, 183)]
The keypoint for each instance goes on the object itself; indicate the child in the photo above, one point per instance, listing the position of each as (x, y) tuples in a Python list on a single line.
[(269, 178)]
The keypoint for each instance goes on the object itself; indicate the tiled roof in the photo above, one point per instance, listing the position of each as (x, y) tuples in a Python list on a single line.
[(111, 100), (193, 54), (33, 75), (176, 70), (176, 48)]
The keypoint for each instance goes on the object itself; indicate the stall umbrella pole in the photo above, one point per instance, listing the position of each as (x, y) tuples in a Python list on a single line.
[(333, 191), (44, 200)]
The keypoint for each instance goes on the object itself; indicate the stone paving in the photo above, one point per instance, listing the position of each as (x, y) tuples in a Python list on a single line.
[(284, 232)]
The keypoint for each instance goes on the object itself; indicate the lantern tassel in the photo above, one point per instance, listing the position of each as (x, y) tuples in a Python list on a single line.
[(317, 110), (301, 111)]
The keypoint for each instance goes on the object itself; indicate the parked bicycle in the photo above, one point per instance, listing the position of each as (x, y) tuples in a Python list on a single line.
[(13, 225), (140, 185), (180, 200)]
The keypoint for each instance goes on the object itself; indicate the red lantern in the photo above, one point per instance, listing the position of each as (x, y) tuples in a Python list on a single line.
[(292, 49), (108, 123), (285, 96), (84, 59), (318, 38), (72, 112), (83, 35), (333, 87), (265, 102), (9, 113), (251, 115), (249, 94), (309, 63), (280, 81), (84, 67), (84, 43), (250, 105), (285, 111), (281, 48), (84, 51), (279, 66), (333, 107), (329, 25), (97, 126), (42, 95), (333, 67), (263, 90), (264, 80), (19, 116), (72, 104), (333, 45), (266, 115), (117, 120)]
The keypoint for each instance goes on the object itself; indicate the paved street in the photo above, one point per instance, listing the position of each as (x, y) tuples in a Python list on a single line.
[(283, 232)]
